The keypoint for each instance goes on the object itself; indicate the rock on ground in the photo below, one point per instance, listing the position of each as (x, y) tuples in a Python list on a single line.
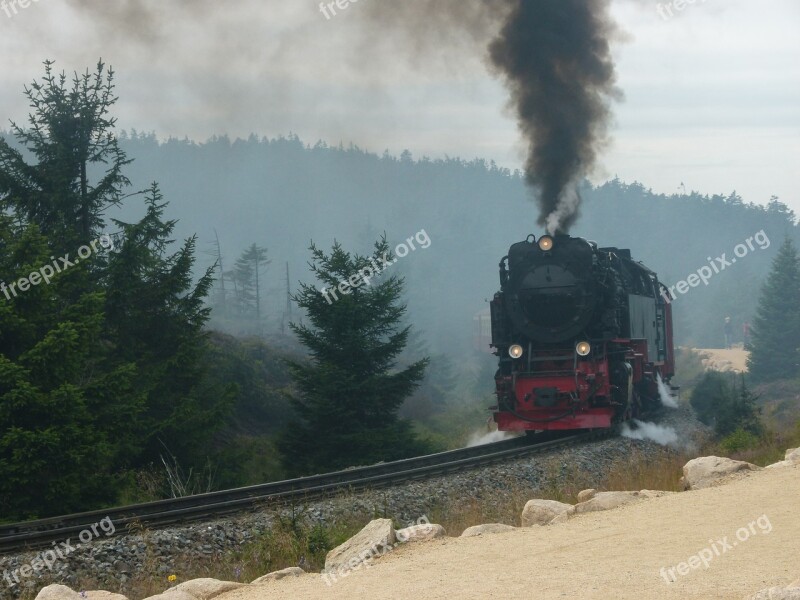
[(655, 493), (420, 533), (780, 463), (58, 592), (276, 575), (207, 588), (792, 458), (586, 495), (608, 500), (778, 593), (541, 512), (563, 517), (703, 472), (376, 538), (486, 529), (172, 594), (103, 595)]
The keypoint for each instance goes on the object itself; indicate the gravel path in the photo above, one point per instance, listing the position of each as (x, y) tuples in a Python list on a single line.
[(749, 529)]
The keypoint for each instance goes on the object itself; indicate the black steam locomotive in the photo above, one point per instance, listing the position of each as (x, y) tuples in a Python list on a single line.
[(582, 334)]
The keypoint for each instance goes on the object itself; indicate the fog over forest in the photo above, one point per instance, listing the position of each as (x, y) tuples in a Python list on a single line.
[(282, 193)]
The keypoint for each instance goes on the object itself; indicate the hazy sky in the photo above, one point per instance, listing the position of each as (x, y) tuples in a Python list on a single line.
[(712, 94)]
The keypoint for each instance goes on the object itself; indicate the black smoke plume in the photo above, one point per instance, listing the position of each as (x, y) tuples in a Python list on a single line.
[(555, 58)]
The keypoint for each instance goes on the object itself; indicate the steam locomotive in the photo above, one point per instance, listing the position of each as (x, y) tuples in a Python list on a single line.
[(582, 334)]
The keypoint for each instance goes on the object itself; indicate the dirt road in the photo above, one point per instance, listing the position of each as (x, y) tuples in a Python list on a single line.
[(611, 555), (721, 359)]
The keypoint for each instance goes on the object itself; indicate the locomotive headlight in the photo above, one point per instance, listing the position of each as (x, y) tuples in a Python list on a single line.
[(545, 243), (515, 351), (583, 348)]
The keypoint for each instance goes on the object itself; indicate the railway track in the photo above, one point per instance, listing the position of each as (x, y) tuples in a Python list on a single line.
[(33, 534)]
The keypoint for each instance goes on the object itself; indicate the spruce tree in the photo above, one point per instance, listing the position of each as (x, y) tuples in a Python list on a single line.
[(775, 346), (156, 314), (105, 360), (247, 277), (70, 134), (57, 427), (350, 389)]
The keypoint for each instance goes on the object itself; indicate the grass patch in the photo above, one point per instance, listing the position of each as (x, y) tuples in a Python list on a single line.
[(562, 483)]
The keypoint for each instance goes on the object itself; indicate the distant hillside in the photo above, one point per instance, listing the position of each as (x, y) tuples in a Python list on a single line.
[(281, 194)]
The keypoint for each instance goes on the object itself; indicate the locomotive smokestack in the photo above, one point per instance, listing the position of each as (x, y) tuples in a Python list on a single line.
[(555, 58)]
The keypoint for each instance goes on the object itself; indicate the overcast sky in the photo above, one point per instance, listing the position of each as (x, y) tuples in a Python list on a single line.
[(712, 94)]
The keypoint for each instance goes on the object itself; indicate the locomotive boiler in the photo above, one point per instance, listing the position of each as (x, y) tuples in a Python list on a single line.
[(582, 334)]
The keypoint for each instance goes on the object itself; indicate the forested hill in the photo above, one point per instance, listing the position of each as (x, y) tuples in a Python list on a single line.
[(282, 193)]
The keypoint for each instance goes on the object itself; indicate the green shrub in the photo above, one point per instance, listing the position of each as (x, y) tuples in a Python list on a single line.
[(739, 440), (720, 401)]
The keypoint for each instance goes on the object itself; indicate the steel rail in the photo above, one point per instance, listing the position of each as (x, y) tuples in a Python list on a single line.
[(33, 534)]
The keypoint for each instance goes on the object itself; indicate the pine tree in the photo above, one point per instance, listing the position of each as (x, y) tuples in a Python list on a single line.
[(350, 389), (56, 422), (248, 287), (247, 272), (157, 314), (775, 332), (70, 134), (104, 360)]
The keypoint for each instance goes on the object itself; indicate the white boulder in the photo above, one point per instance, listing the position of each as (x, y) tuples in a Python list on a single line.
[(276, 575), (608, 500), (207, 588), (705, 471), (374, 540), (542, 512), (58, 592), (103, 595), (420, 533), (779, 464), (172, 594), (792, 458)]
